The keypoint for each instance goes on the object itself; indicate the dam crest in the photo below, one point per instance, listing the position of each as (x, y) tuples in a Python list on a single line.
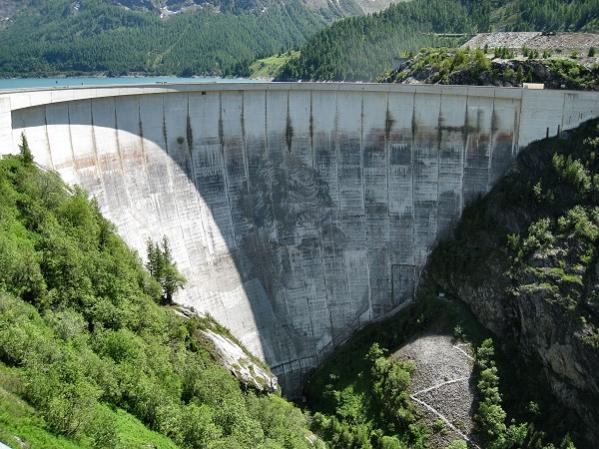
[(298, 212)]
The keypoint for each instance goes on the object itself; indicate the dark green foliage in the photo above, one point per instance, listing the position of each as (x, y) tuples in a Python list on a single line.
[(162, 268), (365, 47), (53, 38), (491, 417), (362, 48), (554, 15), (26, 154), (82, 333)]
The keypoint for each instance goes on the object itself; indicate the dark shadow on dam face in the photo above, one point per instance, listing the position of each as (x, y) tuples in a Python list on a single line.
[(297, 216)]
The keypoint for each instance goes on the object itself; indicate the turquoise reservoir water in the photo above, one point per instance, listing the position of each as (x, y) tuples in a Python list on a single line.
[(24, 83)]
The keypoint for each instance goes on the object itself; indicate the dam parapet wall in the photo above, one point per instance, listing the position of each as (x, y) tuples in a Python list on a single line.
[(298, 212)]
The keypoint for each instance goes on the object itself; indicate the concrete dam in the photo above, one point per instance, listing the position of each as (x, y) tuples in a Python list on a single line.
[(297, 212)]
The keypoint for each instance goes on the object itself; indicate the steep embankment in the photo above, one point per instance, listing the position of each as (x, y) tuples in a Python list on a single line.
[(495, 68), (364, 47), (88, 359), (525, 259)]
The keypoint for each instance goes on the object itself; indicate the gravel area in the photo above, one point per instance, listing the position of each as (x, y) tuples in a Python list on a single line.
[(443, 386)]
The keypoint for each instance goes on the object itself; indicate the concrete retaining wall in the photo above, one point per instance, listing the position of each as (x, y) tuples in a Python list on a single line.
[(298, 212)]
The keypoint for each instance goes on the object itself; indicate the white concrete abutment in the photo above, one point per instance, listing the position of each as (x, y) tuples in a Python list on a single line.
[(298, 212)]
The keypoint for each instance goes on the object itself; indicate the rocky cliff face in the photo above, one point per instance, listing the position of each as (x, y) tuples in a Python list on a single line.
[(525, 259)]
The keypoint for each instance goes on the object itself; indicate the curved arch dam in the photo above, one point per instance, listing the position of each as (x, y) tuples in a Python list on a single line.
[(297, 212)]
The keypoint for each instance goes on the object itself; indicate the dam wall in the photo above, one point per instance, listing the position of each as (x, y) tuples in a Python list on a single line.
[(297, 212)]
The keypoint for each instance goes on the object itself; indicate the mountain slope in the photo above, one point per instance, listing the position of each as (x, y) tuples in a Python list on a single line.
[(364, 47), (185, 37), (97, 36)]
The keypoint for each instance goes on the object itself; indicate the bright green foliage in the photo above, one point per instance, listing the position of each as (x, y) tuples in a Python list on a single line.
[(375, 411), (490, 416), (271, 66), (162, 268), (88, 345), (475, 67), (458, 444)]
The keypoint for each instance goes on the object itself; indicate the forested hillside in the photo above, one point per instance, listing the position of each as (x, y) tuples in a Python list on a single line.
[(88, 357), (96, 36), (364, 47)]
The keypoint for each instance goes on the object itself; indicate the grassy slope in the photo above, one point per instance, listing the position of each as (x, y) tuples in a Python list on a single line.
[(19, 422), (271, 66)]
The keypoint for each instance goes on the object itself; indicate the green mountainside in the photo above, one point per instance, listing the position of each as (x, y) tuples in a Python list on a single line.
[(362, 48), (88, 357), (54, 37), (223, 37)]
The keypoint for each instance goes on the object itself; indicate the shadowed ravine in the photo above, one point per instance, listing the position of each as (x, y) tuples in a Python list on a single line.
[(298, 213)]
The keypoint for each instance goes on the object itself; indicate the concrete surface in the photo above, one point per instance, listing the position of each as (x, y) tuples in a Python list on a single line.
[(298, 212)]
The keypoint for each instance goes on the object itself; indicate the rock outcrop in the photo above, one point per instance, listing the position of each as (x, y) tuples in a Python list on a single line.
[(535, 285)]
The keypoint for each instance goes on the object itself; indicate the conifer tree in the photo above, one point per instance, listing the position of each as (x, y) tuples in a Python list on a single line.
[(162, 268), (26, 153)]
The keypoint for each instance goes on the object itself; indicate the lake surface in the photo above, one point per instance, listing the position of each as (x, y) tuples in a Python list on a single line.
[(24, 83)]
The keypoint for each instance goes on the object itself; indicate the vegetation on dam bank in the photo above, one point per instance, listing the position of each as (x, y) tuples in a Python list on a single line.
[(497, 67), (88, 357)]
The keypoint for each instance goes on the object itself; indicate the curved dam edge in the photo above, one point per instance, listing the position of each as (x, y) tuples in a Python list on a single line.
[(299, 212)]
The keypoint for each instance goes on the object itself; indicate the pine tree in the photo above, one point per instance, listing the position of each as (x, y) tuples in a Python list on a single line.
[(26, 154), (162, 268)]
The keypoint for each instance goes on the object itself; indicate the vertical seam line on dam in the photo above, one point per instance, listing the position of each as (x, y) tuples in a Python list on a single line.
[(48, 137)]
